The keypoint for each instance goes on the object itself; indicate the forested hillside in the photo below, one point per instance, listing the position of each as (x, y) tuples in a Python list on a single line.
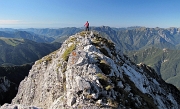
[(15, 51), (132, 41), (164, 61)]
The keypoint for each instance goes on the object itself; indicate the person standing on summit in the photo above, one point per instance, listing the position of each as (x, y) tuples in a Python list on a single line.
[(87, 26)]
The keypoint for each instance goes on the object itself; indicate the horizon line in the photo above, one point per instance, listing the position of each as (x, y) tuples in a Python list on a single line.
[(81, 27)]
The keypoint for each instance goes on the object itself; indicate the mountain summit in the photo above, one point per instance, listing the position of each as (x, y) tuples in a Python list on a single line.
[(89, 72)]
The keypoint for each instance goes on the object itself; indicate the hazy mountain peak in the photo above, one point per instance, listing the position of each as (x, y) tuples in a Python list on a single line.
[(88, 71)]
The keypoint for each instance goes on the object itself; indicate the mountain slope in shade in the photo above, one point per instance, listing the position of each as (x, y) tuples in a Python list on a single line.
[(132, 38), (10, 78), (25, 35), (89, 72), (14, 51), (164, 61), (142, 37), (55, 33), (8, 90)]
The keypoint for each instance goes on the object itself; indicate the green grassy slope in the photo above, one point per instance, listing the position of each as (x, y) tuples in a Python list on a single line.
[(164, 61), (20, 51)]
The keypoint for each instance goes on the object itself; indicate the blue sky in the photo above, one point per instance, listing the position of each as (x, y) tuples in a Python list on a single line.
[(74, 13)]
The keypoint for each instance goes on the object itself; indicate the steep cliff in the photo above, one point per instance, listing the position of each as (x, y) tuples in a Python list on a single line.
[(89, 71), (8, 90)]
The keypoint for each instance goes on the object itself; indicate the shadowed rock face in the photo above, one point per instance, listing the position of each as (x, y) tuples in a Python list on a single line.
[(89, 71), (10, 78), (8, 90)]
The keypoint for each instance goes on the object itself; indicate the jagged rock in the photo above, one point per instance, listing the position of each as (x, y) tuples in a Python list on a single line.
[(17, 106), (10, 78), (89, 72), (8, 90)]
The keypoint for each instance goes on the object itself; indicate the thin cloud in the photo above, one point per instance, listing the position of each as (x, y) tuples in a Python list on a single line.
[(34, 24), (9, 22)]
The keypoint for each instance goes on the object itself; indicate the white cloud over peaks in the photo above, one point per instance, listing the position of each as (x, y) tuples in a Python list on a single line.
[(9, 22)]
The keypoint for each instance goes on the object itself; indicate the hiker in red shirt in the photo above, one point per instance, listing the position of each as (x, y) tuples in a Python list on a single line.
[(87, 26)]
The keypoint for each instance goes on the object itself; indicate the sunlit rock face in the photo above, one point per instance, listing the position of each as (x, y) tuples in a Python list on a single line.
[(90, 72)]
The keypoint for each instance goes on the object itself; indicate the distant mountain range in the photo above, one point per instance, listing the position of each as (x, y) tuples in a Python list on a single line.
[(140, 38), (55, 33), (15, 51), (130, 40), (156, 47), (38, 35), (25, 35), (89, 72), (164, 61)]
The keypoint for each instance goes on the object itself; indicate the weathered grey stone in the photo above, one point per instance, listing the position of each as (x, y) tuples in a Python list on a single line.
[(17, 106), (90, 79)]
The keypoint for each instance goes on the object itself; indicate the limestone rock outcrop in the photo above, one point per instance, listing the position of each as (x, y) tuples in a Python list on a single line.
[(8, 90), (89, 72)]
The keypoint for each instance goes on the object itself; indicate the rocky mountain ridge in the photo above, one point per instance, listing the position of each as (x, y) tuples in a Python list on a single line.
[(164, 61), (8, 90), (10, 78), (90, 72)]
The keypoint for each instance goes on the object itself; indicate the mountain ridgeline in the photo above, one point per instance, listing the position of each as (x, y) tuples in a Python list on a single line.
[(132, 38), (89, 71), (39, 35), (25, 35), (164, 61), (139, 38), (155, 47), (15, 51)]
